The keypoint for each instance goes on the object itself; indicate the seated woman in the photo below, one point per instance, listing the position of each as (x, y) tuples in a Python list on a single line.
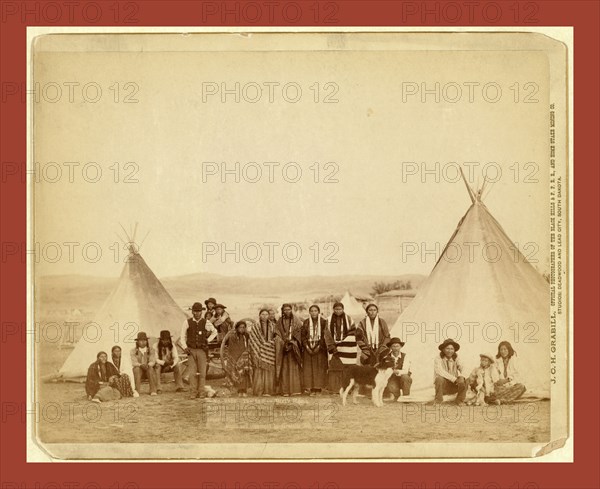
[(509, 387), (99, 377), (122, 382), (236, 356)]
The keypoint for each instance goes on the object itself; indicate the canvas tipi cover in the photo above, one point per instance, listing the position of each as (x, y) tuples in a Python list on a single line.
[(139, 302), (353, 308), (479, 298)]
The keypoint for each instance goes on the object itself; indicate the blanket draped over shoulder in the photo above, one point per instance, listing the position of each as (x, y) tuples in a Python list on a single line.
[(262, 350)]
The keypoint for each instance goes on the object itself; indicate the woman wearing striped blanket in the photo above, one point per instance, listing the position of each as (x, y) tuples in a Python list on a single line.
[(261, 342), (340, 338)]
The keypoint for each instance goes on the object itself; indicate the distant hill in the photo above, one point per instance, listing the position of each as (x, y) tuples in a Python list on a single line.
[(56, 292)]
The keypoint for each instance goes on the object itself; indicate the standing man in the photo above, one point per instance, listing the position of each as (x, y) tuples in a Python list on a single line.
[(340, 338), (196, 334), (372, 336), (401, 379), (143, 361), (167, 360), (448, 376)]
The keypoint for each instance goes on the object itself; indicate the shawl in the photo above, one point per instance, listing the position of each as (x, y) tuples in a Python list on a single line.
[(346, 349), (235, 356), (372, 331), (261, 350)]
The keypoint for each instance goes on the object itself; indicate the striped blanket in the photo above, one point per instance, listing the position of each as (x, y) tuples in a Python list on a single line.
[(347, 351), (262, 351)]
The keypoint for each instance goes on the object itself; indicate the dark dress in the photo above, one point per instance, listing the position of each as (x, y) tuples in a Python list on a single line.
[(237, 360), (289, 338), (314, 354)]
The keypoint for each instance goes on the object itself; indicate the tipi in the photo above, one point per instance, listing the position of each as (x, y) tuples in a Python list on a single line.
[(479, 298), (139, 302), (352, 307)]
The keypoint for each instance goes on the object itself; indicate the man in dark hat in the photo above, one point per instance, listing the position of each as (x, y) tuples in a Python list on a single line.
[(143, 361), (167, 360), (210, 304), (448, 376), (401, 379), (196, 334)]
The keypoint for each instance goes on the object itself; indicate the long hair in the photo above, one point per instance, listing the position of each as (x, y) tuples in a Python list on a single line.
[(169, 345), (508, 346), (454, 355)]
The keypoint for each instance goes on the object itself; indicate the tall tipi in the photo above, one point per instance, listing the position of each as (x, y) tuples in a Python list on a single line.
[(352, 307), (139, 302), (481, 291)]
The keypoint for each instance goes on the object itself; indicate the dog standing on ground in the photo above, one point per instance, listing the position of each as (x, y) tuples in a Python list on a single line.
[(376, 377)]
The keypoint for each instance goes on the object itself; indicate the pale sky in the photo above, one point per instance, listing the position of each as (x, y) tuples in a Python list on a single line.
[(370, 134)]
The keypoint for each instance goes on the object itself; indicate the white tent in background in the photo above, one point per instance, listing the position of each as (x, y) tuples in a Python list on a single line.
[(479, 299), (352, 307), (139, 302)]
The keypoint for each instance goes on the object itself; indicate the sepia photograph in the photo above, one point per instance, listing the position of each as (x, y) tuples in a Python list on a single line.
[(309, 245)]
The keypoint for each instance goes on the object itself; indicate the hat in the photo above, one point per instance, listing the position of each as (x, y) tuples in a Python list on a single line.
[(372, 305), (338, 304), (197, 306), (449, 342), (487, 355), (217, 306), (165, 334), (396, 340), (141, 336), (210, 299)]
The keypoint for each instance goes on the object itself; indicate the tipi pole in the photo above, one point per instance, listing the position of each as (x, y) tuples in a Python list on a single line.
[(469, 189)]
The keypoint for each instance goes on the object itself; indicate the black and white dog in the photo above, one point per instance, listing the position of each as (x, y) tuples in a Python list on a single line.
[(376, 377)]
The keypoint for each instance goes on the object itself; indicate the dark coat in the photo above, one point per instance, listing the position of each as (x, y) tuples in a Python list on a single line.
[(94, 377)]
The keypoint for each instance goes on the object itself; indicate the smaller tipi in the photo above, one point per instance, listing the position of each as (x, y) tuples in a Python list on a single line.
[(352, 307), (139, 302)]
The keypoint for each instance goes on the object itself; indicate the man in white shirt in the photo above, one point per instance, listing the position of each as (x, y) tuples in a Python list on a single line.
[(401, 379), (449, 377), (196, 334)]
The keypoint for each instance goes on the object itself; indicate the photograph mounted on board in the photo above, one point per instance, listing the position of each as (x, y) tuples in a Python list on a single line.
[(260, 245)]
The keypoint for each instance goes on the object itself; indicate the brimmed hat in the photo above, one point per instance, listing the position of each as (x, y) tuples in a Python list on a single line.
[(141, 336), (210, 299), (165, 335), (487, 355), (197, 306), (217, 306), (396, 340), (449, 342)]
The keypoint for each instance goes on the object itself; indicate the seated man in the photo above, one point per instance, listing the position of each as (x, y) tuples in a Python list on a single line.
[(143, 361), (167, 360), (401, 379), (448, 375)]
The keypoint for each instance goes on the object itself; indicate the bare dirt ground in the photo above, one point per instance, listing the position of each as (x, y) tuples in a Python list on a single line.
[(65, 416)]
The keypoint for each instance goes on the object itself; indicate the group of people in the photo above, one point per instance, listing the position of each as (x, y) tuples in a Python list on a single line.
[(289, 356)]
